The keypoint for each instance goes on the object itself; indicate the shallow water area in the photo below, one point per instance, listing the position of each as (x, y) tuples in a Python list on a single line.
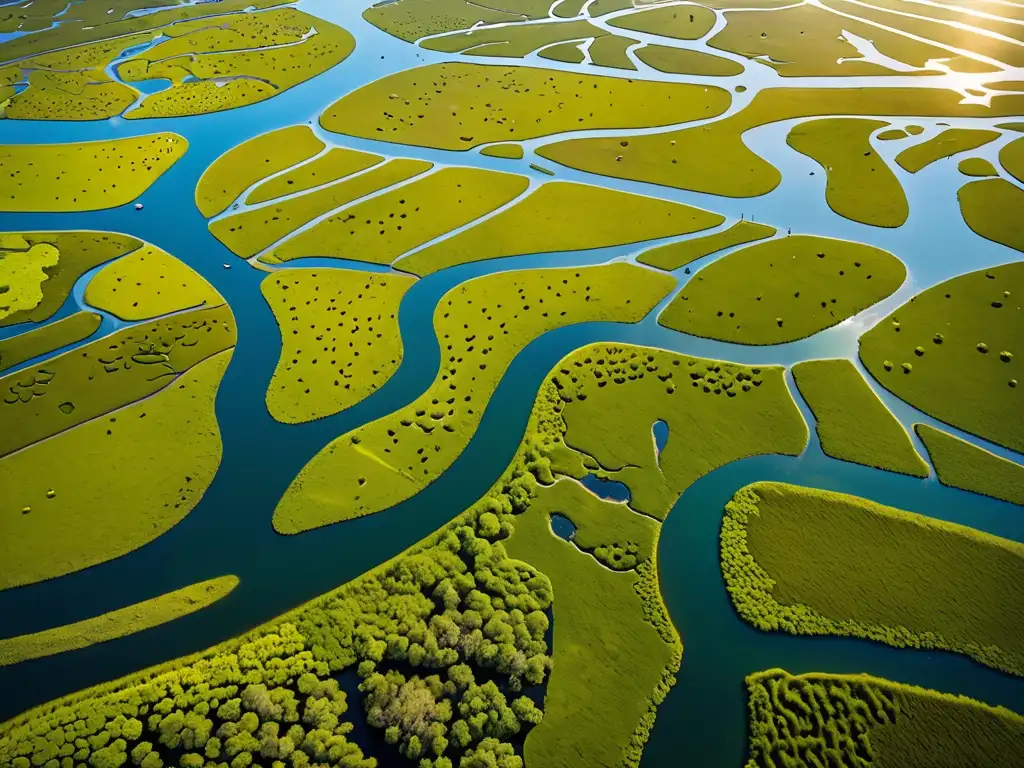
[(703, 719)]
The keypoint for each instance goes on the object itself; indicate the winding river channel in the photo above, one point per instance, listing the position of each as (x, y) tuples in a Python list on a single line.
[(702, 722)]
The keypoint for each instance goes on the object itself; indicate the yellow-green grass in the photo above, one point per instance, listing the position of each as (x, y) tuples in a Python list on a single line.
[(339, 339), (1006, 52), (80, 94), (114, 624), (331, 166), (384, 227), (683, 22), (712, 158), (783, 290), (251, 73), (149, 283), (676, 255), (717, 411), (82, 384), (17, 349), (410, 20), (853, 424), (680, 61), (508, 151), (252, 231), (976, 166), (959, 464), (112, 484), (568, 52), (240, 167), (1011, 157), (569, 9), (892, 134), (515, 41), (991, 207), (821, 716), (465, 105), (601, 7), (950, 142), (914, 130), (806, 41), (78, 252), (84, 176), (860, 185), (814, 562), (22, 274), (950, 350), (609, 676), (942, 12), (610, 51), (481, 325), (563, 216)]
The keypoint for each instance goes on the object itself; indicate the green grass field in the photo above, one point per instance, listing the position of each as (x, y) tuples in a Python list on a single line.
[(496, 103), (381, 229), (860, 186), (85, 176), (507, 151), (110, 626), (950, 351), (991, 208), (1011, 157), (712, 158), (950, 142), (825, 718), (959, 464), (610, 51), (675, 255), (539, 224), (513, 41), (243, 165), (39, 341), (813, 562), (334, 164), (853, 424), (976, 166), (481, 325), (688, 22), (339, 339), (680, 61), (410, 20), (782, 290)]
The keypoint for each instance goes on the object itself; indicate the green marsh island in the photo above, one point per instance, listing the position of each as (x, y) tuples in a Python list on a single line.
[(519, 384)]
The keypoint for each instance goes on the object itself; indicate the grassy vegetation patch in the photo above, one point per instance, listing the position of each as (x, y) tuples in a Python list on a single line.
[(410, 20), (381, 229), (77, 253), (481, 325), (1011, 157), (892, 134), (567, 52), (712, 158), (515, 41), (991, 207), (85, 176), (959, 464), (244, 59), (976, 166), (950, 350), (813, 562), (685, 22), (782, 290), (676, 255), (808, 41), (17, 349), (112, 484), (110, 626), (680, 61), (610, 51), (149, 283), (331, 166), (459, 106), (538, 224), (106, 374), (950, 142), (251, 231), (240, 167), (508, 151), (819, 715), (339, 344), (860, 186), (852, 423)]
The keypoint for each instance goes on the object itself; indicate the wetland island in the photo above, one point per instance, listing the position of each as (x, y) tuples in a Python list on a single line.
[(511, 384)]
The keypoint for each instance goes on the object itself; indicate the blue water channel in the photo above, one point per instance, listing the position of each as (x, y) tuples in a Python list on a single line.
[(702, 722)]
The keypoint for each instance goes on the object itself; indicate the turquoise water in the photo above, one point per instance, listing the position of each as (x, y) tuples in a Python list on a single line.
[(703, 720)]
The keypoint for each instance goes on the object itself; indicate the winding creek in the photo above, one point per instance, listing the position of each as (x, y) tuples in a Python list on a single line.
[(702, 722)]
